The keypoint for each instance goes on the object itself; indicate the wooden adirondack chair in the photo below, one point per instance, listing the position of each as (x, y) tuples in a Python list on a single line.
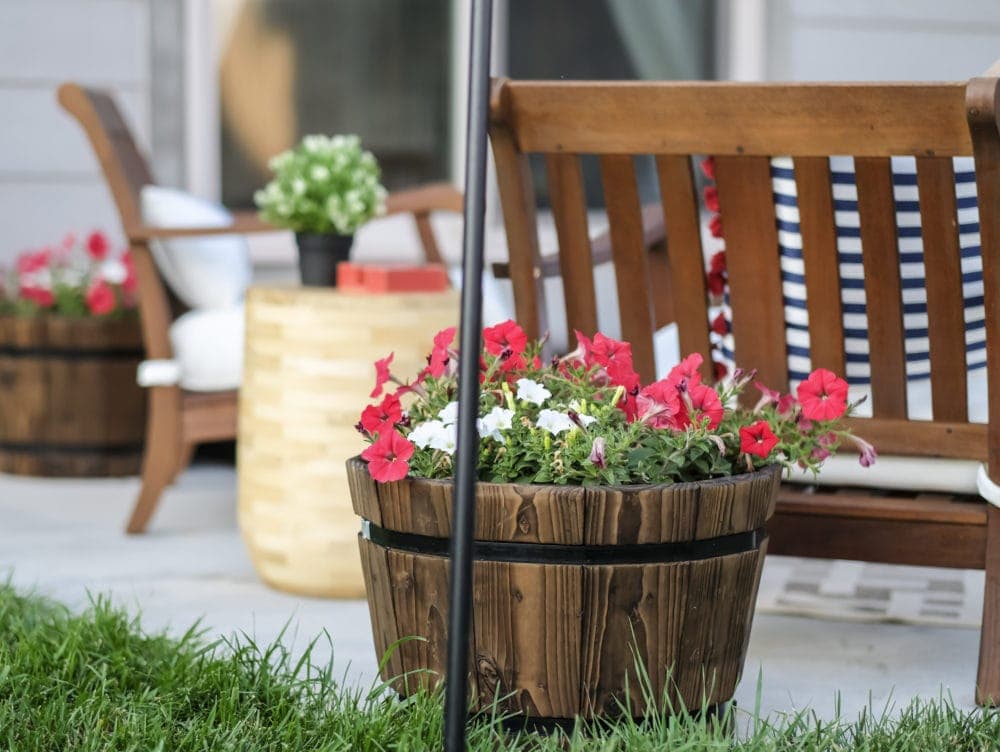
[(743, 126), (179, 419)]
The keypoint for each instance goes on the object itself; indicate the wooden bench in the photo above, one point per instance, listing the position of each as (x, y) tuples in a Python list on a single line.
[(743, 126)]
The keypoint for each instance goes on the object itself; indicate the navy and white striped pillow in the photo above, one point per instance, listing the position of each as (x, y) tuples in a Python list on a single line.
[(852, 272)]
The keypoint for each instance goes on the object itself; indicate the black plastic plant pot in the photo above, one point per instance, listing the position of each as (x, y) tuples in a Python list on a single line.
[(319, 254)]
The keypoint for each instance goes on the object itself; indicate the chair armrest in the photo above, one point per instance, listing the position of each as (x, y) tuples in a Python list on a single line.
[(420, 202), (424, 199), (243, 222), (653, 234)]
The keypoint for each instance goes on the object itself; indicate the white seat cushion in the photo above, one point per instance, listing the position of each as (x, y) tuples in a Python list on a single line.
[(205, 272), (208, 345), (931, 474)]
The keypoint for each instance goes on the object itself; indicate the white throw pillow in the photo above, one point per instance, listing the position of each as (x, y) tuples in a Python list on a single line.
[(208, 345), (204, 272)]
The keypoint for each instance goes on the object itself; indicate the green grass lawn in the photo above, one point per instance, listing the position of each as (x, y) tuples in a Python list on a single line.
[(96, 681)]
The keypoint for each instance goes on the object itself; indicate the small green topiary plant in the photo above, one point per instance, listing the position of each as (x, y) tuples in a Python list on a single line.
[(324, 185)]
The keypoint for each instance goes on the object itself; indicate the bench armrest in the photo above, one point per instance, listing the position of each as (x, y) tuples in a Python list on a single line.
[(425, 199)]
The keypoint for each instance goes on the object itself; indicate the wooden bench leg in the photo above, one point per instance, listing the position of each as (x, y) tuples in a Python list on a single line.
[(988, 680), (162, 455)]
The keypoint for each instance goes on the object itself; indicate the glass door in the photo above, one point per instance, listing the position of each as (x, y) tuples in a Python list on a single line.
[(377, 68)]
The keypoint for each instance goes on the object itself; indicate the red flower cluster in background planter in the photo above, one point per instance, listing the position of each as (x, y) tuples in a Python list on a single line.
[(74, 278), (587, 419)]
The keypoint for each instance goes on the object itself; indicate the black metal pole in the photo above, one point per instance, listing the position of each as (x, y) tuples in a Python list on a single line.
[(467, 455)]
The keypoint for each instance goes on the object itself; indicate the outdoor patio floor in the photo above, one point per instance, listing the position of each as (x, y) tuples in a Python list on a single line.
[(64, 538)]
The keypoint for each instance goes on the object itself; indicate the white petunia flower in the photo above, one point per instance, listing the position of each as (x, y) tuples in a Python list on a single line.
[(532, 391), (446, 439), (42, 279), (423, 433), (499, 418), (319, 173), (449, 414), (554, 421), (436, 435), (113, 272)]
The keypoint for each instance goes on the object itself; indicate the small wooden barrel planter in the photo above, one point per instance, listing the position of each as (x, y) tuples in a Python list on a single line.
[(571, 586), (69, 402)]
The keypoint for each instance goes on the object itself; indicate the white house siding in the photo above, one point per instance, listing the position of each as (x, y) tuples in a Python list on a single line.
[(50, 182), (844, 40)]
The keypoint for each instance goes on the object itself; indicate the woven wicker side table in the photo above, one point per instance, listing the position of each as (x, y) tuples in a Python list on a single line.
[(308, 372)]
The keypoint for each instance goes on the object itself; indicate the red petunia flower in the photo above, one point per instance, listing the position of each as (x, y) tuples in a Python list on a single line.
[(823, 395), (583, 354), (705, 403), (688, 370), (388, 457), (711, 196), (387, 413), (98, 245), (658, 404), (613, 356), (100, 298), (784, 403), (820, 453), (438, 360), (40, 296), (32, 262), (866, 452), (437, 364), (445, 337), (381, 375), (597, 452), (757, 439), (505, 340), (628, 404), (715, 226)]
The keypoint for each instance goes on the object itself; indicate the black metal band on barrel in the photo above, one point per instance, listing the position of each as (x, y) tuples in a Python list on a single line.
[(559, 553), (71, 353), (49, 448)]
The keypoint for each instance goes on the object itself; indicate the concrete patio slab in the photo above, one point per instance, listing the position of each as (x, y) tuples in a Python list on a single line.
[(64, 538)]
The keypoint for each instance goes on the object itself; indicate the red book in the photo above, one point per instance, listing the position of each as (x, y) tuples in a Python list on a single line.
[(372, 278)]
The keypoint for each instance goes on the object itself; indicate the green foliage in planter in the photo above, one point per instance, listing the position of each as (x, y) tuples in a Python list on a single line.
[(323, 185), (586, 418)]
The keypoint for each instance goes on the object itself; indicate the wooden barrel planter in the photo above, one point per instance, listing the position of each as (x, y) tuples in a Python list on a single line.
[(69, 402), (572, 586)]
